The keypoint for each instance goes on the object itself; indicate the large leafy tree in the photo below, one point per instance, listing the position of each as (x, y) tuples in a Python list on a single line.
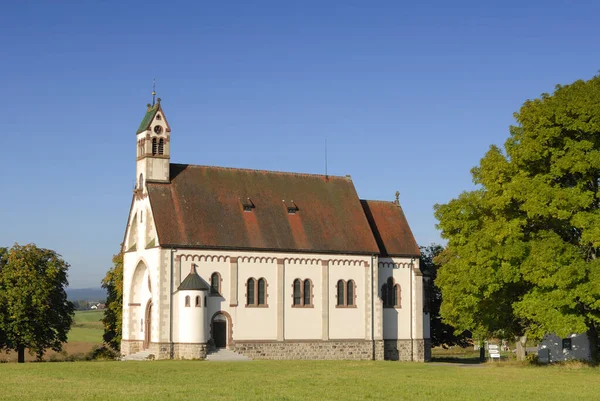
[(522, 254), (441, 334), (34, 310), (113, 314)]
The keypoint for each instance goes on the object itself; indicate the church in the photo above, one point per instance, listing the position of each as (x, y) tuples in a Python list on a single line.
[(267, 264)]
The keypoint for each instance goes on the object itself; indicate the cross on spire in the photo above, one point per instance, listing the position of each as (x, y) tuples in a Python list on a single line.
[(153, 91)]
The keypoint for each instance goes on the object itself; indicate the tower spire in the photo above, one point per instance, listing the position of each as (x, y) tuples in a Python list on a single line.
[(153, 91)]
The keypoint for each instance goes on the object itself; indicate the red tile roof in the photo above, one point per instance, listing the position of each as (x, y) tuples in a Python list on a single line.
[(203, 207), (390, 228)]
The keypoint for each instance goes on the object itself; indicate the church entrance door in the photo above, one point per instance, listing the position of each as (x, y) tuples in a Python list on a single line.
[(220, 333), (148, 326)]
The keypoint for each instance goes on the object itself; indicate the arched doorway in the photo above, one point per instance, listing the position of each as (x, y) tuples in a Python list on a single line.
[(221, 329), (137, 297), (148, 325)]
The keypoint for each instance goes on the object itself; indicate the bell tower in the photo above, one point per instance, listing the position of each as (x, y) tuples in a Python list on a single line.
[(153, 146)]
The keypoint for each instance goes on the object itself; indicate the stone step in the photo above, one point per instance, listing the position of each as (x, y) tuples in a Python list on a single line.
[(138, 356), (225, 355)]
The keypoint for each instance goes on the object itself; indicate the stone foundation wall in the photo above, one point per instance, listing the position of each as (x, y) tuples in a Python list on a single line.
[(379, 350), (400, 350), (325, 350), (161, 350), (427, 344), (129, 347), (189, 350)]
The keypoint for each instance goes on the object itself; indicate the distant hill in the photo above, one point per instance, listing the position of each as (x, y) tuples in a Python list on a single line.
[(86, 294)]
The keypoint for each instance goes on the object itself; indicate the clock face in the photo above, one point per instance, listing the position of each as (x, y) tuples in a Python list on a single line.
[(158, 130)]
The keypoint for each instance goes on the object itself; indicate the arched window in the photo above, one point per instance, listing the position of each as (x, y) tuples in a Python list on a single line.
[(302, 293), (384, 292), (350, 293), (345, 294), (307, 292), (198, 302), (187, 301), (250, 292), (215, 284), (154, 146), (340, 293), (161, 146), (297, 292), (391, 294), (141, 182), (256, 292), (262, 290)]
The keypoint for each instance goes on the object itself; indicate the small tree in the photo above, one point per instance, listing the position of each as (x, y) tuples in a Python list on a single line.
[(113, 314), (442, 334), (34, 310)]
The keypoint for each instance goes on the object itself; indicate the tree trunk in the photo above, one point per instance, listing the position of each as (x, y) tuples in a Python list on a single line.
[(592, 335), (521, 342), (21, 354)]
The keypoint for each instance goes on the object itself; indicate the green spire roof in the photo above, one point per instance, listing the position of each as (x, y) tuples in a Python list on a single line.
[(148, 117), (193, 282)]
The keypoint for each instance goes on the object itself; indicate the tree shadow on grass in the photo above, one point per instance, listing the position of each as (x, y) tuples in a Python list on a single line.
[(457, 360)]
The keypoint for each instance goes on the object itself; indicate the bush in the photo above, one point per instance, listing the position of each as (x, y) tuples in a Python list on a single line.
[(103, 354), (532, 359)]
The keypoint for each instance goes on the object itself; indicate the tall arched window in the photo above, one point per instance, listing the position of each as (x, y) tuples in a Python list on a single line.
[(302, 293), (350, 293), (391, 294), (384, 295), (198, 302), (256, 292), (141, 182), (250, 291), (215, 284), (161, 146), (307, 292), (297, 292), (262, 291), (340, 293), (187, 301), (154, 146), (345, 294)]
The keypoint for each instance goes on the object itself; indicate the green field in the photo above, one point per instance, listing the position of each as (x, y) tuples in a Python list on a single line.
[(87, 327), (294, 380)]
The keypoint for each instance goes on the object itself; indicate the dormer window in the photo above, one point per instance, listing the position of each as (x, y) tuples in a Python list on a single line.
[(292, 208), (158, 117), (247, 204)]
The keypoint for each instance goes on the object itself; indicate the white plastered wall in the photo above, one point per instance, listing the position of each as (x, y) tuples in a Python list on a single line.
[(397, 321), (264, 323), (191, 324), (140, 267), (348, 323)]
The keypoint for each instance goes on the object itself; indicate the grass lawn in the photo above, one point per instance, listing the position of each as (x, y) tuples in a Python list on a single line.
[(85, 333), (294, 380), (87, 327)]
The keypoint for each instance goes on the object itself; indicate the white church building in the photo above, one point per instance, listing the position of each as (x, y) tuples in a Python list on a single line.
[(268, 264)]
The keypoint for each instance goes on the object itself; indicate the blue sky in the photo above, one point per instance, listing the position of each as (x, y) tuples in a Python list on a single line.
[(409, 96)]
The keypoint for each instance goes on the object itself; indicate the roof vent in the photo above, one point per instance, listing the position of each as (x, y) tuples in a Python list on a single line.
[(247, 204), (292, 208)]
